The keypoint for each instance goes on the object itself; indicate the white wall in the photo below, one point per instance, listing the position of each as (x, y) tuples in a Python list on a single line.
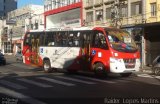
[(69, 18), (37, 16)]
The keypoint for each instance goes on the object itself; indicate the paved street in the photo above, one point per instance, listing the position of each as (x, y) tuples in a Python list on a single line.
[(27, 84)]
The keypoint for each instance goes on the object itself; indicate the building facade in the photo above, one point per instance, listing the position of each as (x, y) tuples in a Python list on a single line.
[(113, 12), (7, 6), (62, 13), (19, 21), (3, 33), (151, 30)]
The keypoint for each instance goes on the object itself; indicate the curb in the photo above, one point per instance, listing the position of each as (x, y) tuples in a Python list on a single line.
[(147, 71)]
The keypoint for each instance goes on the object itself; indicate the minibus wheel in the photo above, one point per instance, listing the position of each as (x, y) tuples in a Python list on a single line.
[(47, 66), (4, 63), (71, 71), (125, 74), (99, 70)]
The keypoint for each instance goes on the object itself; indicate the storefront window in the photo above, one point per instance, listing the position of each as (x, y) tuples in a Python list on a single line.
[(123, 11), (136, 8), (153, 9), (108, 13), (7, 47), (53, 4), (99, 15), (89, 16)]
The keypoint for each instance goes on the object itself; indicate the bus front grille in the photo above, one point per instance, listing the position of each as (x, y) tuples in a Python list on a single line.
[(129, 63)]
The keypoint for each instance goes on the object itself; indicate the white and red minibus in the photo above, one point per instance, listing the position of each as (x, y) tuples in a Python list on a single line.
[(98, 49)]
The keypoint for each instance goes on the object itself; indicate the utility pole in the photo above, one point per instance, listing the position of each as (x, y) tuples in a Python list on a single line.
[(11, 34)]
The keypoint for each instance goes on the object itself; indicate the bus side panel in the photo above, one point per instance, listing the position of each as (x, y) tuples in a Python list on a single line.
[(75, 63), (102, 56), (27, 59), (26, 55), (31, 45), (100, 52), (60, 57)]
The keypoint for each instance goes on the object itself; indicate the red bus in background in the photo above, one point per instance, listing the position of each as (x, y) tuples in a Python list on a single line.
[(99, 49)]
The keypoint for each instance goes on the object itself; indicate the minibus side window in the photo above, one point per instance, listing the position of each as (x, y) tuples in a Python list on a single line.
[(99, 40), (49, 39)]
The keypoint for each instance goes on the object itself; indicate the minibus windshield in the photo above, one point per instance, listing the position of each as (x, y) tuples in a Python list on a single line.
[(121, 41)]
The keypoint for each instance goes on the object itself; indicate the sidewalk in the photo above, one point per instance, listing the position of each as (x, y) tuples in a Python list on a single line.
[(12, 60), (146, 70), (10, 57)]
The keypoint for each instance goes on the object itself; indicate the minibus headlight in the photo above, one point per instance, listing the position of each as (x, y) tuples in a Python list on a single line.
[(113, 60), (137, 60)]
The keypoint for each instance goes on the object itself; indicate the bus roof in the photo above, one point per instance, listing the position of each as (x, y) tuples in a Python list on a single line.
[(69, 29), (36, 31), (74, 29)]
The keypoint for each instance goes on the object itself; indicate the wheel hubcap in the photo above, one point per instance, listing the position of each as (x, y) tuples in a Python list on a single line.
[(157, 71)]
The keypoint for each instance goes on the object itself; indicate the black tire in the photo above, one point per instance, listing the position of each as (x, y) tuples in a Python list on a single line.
[(47, 66), (156, 71), (100, 70), (125, 74), (69, 71), (4, 63)]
